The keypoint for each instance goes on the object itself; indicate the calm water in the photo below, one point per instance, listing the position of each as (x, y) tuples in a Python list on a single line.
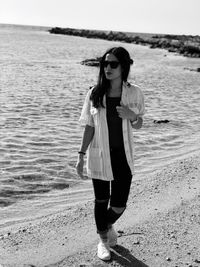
[(42, 88)]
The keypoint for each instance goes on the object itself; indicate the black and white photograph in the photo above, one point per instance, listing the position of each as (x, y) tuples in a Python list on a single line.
[(99, 133)]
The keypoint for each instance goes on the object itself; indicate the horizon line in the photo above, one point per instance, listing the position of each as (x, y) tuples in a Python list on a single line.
[(62, 27)]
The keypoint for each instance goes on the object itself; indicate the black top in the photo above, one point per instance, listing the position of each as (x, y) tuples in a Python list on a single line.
[(114, 122)]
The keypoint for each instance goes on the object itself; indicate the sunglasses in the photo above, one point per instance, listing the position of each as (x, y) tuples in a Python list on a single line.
[(113, 64)]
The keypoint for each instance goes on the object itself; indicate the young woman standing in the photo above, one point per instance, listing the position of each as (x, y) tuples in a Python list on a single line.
[(110, 110)]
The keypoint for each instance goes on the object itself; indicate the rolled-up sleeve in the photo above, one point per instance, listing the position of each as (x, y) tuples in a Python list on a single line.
[(86, 117), (136, 101)]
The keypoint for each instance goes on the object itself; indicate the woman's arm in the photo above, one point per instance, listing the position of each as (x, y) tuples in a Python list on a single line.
[(126, 113), (86, 140), (87, 137)]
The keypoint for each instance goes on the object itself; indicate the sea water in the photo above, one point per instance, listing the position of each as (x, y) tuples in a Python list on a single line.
[(42, 89)]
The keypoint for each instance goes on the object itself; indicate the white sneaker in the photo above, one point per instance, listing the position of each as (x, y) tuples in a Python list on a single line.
[(103, 251), (112, 237)]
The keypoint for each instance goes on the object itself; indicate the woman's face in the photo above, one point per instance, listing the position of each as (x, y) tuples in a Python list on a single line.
[(112, 67)]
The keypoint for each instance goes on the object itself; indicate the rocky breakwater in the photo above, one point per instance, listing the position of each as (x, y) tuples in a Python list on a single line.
[(186, 45)]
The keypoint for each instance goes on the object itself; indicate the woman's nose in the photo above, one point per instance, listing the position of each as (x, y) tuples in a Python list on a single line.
[(108, 67)]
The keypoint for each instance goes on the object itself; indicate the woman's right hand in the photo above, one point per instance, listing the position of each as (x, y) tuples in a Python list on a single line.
[(79, 166)]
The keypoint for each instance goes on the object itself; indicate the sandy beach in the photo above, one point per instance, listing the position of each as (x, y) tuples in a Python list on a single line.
[(159, 228)]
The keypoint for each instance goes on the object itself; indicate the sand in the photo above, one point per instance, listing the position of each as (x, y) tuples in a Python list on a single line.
[(160, 227)]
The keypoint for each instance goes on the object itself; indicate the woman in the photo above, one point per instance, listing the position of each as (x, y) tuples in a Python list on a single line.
[(110, 109)]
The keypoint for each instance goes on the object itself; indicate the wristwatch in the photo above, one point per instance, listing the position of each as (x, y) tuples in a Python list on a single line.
[(135, 121)]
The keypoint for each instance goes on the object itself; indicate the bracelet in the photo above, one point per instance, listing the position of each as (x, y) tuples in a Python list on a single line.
[(81, 152)]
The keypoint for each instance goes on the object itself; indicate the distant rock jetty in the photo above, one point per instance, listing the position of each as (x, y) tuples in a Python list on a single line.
[(92, 62), (186, 45)]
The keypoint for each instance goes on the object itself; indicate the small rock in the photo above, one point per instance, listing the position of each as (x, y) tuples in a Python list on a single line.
[(92, 62), (172, 236), (197, 261), (168, 259), (161, 121)]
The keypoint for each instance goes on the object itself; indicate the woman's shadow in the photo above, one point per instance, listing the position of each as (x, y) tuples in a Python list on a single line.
[(123, 256)]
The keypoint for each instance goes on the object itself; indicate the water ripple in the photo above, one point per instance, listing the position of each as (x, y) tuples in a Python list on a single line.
[(41, 94)]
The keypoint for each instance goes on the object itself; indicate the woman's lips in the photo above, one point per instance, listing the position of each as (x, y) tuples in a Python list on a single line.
[(108, 72)]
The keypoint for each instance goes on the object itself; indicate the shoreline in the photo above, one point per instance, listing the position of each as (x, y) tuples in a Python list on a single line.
[(159, 227), (186, 45), (80, 192)]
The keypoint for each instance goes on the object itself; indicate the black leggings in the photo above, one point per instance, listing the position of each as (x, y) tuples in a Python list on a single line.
[(116, 192)]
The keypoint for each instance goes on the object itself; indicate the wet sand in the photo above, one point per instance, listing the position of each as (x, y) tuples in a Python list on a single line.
[(159, 228)]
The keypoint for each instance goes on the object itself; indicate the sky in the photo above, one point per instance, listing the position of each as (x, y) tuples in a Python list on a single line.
[(148, 16)]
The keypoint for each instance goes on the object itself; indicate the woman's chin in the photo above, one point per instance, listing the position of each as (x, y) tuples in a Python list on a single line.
[(108, 76)]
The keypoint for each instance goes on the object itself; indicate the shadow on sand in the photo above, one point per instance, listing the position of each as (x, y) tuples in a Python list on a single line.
[(123, 256)]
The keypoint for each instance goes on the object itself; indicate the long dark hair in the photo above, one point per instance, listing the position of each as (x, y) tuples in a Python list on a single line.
[(103, 84)]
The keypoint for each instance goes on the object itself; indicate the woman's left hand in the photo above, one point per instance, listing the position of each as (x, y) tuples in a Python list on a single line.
[(125, 113)]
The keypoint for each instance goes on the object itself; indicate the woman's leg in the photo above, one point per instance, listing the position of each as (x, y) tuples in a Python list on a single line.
[(120, 186), (102, 196)]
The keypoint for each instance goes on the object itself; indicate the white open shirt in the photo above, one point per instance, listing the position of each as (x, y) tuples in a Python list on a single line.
[(98, 155)]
